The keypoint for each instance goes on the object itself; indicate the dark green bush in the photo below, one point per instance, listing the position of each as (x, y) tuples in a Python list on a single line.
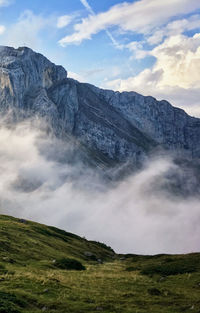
[(9, 303), (169, 268), (154, 292), (131, 269), (69, 264), (3, 270), (63, 232)]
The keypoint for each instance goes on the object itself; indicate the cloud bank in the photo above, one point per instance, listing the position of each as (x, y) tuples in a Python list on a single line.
[(135, 215)]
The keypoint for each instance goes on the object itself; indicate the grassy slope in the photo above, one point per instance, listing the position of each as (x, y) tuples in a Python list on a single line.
[(29, 281)]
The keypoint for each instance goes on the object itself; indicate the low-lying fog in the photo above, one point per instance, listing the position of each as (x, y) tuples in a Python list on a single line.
[(132, 217)]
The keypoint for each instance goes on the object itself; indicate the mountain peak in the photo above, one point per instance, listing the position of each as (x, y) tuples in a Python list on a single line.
[(23, 68), (120, 126)]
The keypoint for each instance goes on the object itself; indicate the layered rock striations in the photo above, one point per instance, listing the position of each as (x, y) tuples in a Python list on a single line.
[(120, 126)]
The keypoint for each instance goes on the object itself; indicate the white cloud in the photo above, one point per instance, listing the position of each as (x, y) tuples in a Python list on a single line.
[(156, 37), (90, 10), (179, 26), (148, 14), (64, 20), (76, 76), (86, 75), (179, 59), (174, 28), (2, 29), (26, 31), (3, 3), (136, 48), (175, 75)]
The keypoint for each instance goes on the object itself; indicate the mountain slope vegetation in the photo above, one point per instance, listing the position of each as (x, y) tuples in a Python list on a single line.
[(35, 275)]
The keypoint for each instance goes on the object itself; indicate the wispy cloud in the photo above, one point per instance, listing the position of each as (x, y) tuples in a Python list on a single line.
[(2, 29), (4, 3), (175, 27), (92, 13), (26, 30), (155, 13), (65, 20), (87, 6)]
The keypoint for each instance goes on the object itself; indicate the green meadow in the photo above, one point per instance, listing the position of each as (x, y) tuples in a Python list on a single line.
[(44, 269)]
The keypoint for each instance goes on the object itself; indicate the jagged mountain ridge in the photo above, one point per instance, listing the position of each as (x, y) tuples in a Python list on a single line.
[(120, 126)]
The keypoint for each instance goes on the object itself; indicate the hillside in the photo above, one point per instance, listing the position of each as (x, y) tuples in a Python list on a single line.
[(32, 278)]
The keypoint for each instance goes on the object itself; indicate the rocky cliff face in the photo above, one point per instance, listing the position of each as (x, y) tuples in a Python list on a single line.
[(120, 126)]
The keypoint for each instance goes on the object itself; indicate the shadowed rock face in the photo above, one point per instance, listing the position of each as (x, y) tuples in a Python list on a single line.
[(120, 126)]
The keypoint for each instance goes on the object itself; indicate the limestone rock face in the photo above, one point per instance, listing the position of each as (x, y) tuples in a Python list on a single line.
[(24, 73), (120, 126)]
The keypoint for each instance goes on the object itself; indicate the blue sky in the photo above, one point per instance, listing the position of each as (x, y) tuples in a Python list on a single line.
[(149, 46)]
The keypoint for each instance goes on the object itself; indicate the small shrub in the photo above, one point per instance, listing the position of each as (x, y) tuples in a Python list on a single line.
[(3, 270), (168, 260), (131, 269), (69, 264), (154, 292)]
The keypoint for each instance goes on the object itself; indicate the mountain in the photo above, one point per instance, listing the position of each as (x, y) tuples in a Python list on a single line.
[(115, 126), (45, 269)]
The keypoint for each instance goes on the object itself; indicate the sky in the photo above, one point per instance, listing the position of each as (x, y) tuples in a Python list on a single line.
[(148, 46)]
